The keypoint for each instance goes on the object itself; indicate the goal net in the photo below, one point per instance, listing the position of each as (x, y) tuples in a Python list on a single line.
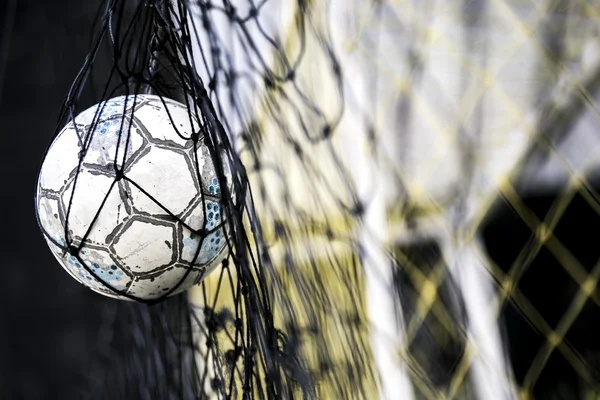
[(413, 180)]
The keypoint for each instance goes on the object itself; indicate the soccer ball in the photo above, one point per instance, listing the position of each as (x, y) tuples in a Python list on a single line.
[(127, 192)]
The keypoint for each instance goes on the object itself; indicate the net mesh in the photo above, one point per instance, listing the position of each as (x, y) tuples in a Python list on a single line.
[(412, 184)]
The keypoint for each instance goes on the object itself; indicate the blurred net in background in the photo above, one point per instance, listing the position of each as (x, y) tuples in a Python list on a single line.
[(421, 207)]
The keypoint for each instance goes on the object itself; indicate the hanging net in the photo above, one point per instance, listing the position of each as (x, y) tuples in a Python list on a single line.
[(402, 185)]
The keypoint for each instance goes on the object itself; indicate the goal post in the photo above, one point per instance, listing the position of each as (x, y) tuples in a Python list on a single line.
[(434, 110)]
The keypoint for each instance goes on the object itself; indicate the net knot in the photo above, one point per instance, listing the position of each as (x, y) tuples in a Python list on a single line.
[(119, 174), (73, 250), (231, 11)]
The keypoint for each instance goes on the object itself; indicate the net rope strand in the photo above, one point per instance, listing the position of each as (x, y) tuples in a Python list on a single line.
[(286, 316), (258, 344)]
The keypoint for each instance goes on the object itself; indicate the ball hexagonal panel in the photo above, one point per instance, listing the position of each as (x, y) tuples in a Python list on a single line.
[(61, 161), (213, 245), (177, 124), (156, 285), (145, 245), (167, 178), (50, 218), (129, 232)]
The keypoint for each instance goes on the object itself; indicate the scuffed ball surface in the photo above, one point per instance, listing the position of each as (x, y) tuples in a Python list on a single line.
[(138, 234)]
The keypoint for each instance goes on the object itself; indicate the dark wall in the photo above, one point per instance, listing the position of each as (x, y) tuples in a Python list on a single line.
[(48, 322)]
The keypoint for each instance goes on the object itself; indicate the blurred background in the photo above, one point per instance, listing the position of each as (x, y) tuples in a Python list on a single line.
[(52, 343), (50, 324)]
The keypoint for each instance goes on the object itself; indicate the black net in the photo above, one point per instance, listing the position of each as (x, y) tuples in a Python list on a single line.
[(364, 258), (227, 341)]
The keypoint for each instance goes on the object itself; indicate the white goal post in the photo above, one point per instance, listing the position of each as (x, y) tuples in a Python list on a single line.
[(442, 100)]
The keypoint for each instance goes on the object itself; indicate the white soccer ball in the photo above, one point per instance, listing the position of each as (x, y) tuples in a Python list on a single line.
[(139, 232)]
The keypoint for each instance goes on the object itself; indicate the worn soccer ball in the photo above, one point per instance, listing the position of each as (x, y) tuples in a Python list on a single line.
[(142, 208)]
